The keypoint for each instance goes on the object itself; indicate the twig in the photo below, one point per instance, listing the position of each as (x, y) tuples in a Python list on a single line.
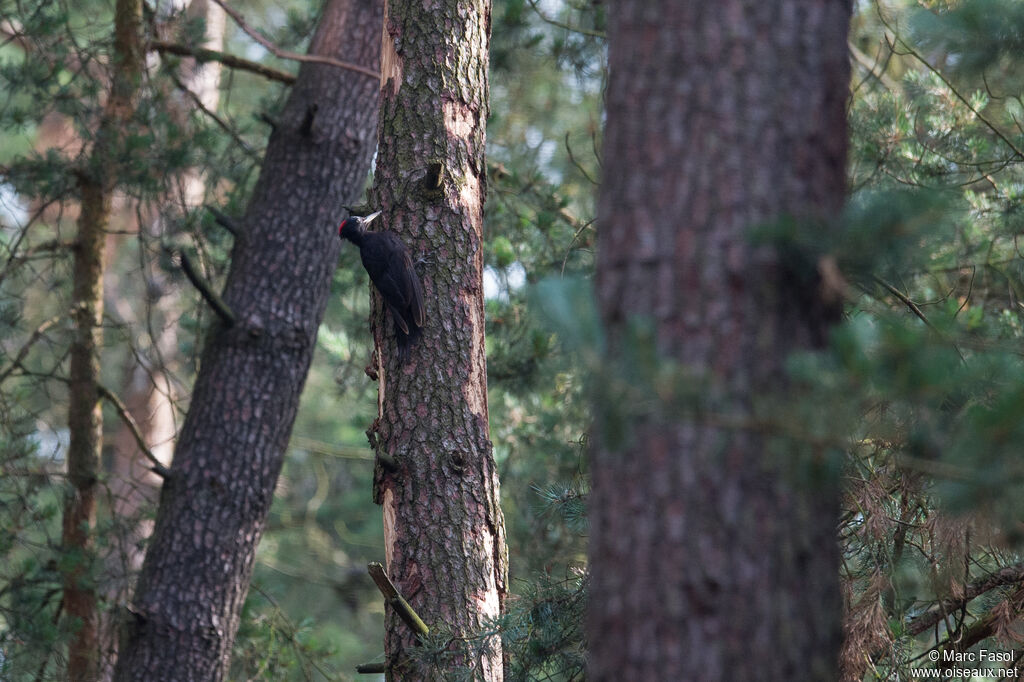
[(122, 411), (372, 668), (888, 81), (36, 335), (559, 24), (395, 600), (223, 219), (285, 54), (568, 249), (229, 60), (216, 119), (576, 163), (1007, 575), (913, 307), (209, 295)]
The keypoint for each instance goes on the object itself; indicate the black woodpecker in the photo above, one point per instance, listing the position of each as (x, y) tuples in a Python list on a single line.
[(391, 270)]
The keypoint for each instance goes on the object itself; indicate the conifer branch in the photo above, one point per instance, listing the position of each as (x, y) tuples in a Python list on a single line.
[(1008, 575)]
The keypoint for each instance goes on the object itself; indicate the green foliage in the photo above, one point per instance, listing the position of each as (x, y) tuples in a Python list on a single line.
[(977, 34), (543, 630), (31, 563), (928, 358), (920, 389)]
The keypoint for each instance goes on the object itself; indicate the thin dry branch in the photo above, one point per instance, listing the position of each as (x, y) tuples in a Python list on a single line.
[(216, 119), (1008, 575), (914, 308), (395, 600), (286, 54), (23, 351), (206, 291), (561, 24), (229, 60), (122, 411)]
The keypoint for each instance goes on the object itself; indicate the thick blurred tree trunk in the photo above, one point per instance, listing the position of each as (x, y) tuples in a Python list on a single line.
[(713, 551), (444, 530), (214, 505), (85, 418)]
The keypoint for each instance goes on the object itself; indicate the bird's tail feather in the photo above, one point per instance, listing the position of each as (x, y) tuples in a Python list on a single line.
[(405, 341)]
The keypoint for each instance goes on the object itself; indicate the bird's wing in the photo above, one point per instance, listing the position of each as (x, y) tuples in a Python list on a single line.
[(413, 290), (392, 272), (396, 315)]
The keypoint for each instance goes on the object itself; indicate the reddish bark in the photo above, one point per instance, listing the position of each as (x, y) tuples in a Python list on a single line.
[(85, 418), (444, 529)]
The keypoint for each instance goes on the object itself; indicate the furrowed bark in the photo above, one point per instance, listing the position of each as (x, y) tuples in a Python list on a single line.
[(713, 550), (214, 505), (444, 530), (85, 418)]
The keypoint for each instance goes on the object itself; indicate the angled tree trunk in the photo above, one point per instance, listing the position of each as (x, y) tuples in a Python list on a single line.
[(85, 419), (214, 505), (436, 479), (713, 550)]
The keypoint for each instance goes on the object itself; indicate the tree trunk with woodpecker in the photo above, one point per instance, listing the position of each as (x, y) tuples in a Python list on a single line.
[(97, 181), (213, 506), (436, 477), (712, 550)]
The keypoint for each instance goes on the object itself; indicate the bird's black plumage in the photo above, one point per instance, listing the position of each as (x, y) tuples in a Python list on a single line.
[(391, 270)]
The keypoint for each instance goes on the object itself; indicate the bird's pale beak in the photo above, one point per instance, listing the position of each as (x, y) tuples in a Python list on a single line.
[(370, 218)]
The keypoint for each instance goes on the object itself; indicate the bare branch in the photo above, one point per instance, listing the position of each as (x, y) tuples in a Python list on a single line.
[(224, 220), (285, 54), (36, 335), (372, 668), (395, 600), (216, 119), (229, 60), (1007, 575), (209, 295), (914, 308), (122, 411), (554, 22), (576, 163)]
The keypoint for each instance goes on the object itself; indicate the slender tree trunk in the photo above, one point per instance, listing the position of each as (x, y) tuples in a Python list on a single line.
[(214, 505), (148, 390), (444, 530), (713, 549), (85, 419)]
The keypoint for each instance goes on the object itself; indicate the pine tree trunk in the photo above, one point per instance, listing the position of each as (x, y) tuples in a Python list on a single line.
[(713, 549), (85, 418), (444, 530), (214, 505), (148, 390)]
